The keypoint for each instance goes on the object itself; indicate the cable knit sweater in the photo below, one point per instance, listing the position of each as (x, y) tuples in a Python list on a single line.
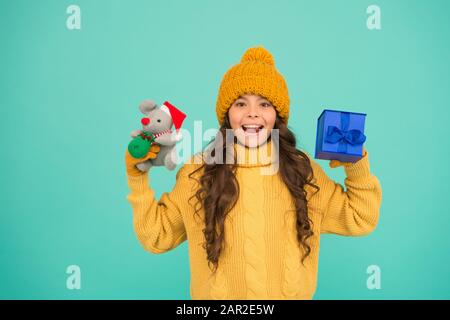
[(261, 258)]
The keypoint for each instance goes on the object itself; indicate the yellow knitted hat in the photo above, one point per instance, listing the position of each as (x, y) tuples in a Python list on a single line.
[(255, 74)]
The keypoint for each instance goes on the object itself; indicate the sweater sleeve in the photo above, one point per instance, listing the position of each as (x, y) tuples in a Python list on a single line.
[(353, 212), (159, 224)]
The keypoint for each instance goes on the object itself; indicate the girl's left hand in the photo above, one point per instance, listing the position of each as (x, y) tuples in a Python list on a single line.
[(337, 163)]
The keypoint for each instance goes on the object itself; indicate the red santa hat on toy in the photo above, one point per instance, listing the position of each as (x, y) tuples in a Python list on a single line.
[(176, 115)]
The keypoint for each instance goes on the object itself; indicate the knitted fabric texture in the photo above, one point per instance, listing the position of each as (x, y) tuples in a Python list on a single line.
[(255, 74), (261, 257)]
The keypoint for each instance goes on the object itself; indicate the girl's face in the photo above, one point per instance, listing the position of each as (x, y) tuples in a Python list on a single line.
[(251, 118)]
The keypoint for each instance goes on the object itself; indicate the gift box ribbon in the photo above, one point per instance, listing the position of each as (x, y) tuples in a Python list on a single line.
[(344, 136)]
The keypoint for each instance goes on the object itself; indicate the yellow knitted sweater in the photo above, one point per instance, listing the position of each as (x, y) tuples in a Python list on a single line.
[(261, 258)]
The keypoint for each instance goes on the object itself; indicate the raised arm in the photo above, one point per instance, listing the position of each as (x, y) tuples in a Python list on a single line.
[(158, 224), (354, 211)]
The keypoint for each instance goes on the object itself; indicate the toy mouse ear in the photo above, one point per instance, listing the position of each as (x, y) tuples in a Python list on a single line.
[(146, 106)]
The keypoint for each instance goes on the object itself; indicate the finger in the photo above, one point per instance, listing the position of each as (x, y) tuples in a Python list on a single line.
[(155, 148), (335, 163), (150, 155), (364, 151)]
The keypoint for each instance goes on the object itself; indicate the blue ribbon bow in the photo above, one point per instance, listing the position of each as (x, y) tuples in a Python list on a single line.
[(344, 136)]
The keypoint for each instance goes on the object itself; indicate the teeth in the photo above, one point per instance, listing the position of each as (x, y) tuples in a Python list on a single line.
[(252, 126)]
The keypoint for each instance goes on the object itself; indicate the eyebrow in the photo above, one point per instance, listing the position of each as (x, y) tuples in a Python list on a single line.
[(259, 98)]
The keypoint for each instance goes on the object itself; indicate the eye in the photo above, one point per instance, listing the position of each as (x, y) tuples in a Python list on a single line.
[(266, 104), (240, 104)]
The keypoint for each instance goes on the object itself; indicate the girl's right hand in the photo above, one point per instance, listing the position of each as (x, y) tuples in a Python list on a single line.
[(131, 162)]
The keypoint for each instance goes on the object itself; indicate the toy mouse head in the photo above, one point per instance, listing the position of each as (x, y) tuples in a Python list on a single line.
[(160, 119)]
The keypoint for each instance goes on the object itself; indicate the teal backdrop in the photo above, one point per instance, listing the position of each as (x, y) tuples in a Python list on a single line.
[(69, 102)]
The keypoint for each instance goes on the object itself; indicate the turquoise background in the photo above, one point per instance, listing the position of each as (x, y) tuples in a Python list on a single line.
[(69, 101)]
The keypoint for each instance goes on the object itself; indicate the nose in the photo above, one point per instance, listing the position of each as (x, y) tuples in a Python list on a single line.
[(253, 111), (145, 121)]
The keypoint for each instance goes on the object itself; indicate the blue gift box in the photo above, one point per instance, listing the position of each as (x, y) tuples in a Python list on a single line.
[(340, 136)]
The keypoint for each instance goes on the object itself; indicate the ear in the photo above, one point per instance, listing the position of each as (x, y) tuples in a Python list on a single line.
[(146, 106)]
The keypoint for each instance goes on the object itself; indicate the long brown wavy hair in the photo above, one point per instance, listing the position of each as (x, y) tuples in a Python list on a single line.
[(218, 189)]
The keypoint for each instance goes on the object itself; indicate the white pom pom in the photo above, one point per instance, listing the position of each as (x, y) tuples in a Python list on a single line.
[(178, 137)]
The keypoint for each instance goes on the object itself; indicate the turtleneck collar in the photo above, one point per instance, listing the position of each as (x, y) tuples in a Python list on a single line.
[(262, 155)]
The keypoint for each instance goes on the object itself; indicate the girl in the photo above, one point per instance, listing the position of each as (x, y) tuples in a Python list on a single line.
[(253, 235)]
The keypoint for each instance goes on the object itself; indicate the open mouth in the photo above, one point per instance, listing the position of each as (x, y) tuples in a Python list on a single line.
[(252, 128)]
